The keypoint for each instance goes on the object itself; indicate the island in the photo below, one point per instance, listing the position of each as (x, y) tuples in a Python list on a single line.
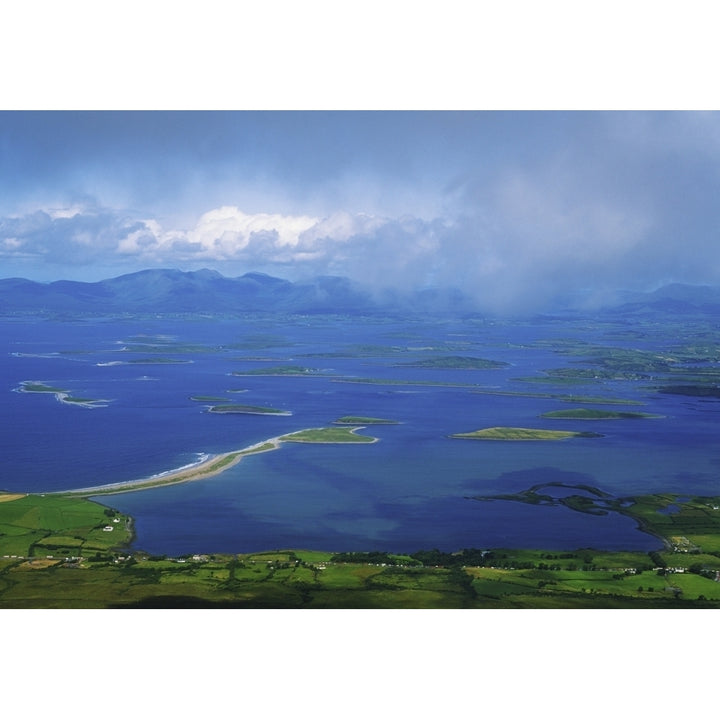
[(281, 370), (590, 399), (455, 362), (704, 391), (520, 434), (63, 396), (328, 435), (593, 414), (359, 420), (158, 361), (247, 410)]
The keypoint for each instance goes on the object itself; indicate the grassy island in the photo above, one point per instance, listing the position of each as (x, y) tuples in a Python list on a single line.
[(63, 396), (289, 370), (593, 414), (247, 410), (358, 420), (391, 381), (328, 435), (158, 361), (590, 399), (712, 391), (29, 386), (455, 362), (519, 434)]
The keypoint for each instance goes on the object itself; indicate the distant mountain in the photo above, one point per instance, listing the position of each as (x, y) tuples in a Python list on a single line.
[(675, 298), (174, 291)]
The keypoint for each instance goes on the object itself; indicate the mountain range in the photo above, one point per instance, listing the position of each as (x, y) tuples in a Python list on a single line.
[(175, 291)]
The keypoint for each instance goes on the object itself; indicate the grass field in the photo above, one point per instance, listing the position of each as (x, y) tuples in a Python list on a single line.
[(34, 525), (56, 553)]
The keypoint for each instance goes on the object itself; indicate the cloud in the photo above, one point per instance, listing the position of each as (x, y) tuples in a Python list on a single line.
[(66, 237), (515, 245), (517, 210)]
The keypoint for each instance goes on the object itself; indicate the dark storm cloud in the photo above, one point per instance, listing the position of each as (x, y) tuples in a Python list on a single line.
[(517, 209)]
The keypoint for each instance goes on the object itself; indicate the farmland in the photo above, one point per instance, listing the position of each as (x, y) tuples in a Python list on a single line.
[(56, 553)]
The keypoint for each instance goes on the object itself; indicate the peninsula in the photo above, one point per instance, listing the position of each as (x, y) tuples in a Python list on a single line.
[(210, 466)]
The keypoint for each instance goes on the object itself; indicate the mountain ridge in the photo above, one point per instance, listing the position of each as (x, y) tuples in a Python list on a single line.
[(168, 290)]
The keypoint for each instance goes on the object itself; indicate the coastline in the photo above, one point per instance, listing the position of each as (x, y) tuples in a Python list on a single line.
[(207, 467)]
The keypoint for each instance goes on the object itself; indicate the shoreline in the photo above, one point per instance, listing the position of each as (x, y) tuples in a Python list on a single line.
[(207, 467)]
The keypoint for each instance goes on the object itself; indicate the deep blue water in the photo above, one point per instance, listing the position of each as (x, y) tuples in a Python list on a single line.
[(410, 490)]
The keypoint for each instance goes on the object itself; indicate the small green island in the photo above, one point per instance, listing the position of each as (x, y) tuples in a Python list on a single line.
[(280, 370), (247, 410), (30, 386), (455, 362), (328, 435), (590, 399), (520, 434), (158, 361), (61, 395), (594, 414), (359, 420)]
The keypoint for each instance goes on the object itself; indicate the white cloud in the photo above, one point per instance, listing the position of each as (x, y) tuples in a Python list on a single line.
[(226, 231), (68, 212)]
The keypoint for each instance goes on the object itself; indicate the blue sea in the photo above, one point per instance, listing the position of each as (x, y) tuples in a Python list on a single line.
[(411, 490)]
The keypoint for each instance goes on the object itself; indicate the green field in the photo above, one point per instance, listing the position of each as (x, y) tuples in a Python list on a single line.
[(520, 434), (37, 525), (54, 553)]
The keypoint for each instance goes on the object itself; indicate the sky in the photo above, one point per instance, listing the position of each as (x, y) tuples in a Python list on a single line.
[(518, 209)]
